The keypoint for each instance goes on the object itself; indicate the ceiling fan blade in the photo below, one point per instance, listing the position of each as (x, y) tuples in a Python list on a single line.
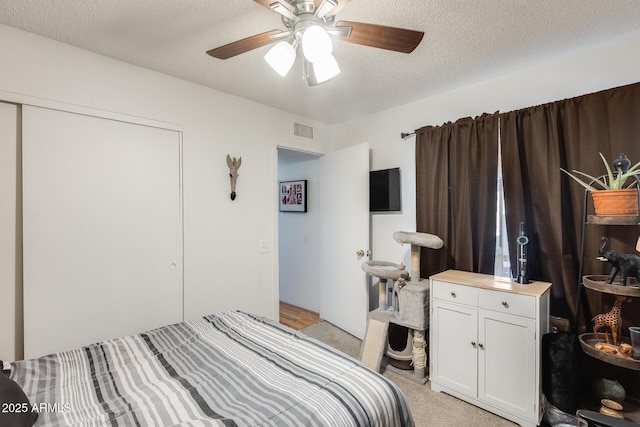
[(279, 6), (383, 37), (245, 45), (268, 3), (328, 7)]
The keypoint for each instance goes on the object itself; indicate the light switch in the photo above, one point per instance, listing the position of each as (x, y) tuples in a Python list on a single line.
[(264, 246)]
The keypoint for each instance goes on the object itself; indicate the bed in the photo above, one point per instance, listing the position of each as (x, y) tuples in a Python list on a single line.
[(225, 369)]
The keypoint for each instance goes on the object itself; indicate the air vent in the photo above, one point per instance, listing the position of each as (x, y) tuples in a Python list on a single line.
[(302, 130)]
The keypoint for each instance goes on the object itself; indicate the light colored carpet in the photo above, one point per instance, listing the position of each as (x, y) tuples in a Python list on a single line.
[(429, 408)]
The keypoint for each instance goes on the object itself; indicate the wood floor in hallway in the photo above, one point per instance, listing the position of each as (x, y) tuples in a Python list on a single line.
[(296, 317)]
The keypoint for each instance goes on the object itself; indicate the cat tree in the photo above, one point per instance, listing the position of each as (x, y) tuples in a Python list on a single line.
[(409, 307)]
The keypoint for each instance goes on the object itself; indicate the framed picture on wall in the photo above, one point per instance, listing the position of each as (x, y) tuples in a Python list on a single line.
[(293, 196)]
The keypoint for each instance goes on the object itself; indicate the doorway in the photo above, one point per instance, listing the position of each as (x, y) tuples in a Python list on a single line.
[(319, 251), (299, 234)]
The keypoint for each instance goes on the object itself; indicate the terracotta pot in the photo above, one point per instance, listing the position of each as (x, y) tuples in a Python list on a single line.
[(616, 202)]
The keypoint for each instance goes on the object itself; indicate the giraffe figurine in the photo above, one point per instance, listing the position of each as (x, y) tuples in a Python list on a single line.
[(612, 319)]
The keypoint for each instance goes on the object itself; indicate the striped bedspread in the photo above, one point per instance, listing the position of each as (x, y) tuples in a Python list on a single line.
[(227, 369)]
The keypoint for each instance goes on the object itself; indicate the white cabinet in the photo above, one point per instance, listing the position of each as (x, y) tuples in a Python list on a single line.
[(485, 337)]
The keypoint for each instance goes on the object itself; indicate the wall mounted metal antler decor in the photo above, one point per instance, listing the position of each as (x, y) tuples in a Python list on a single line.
[(234, 165)]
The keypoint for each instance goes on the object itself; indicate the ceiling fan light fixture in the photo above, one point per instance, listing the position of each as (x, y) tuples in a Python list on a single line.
[(322, 71), (316, 44), (281, 57), (309, 25)]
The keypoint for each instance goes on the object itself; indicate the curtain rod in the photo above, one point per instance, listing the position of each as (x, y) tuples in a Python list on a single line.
[(405, 135)]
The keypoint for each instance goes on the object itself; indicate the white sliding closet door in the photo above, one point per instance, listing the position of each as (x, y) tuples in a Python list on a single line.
[(102, 229), (10, 271)]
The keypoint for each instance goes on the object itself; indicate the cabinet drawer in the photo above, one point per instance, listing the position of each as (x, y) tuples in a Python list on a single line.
[(455, 293), (520, 305)]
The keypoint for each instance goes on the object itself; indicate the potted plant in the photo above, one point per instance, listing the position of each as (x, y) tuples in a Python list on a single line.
[(614, 193)]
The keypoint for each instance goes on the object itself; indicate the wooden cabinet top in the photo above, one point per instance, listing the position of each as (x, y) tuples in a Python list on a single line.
[(486, 281)]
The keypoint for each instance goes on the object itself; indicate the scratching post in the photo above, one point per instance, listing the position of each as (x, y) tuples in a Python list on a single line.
[(384, 271), (417, 241), (375, 341), (415, 262), (419, 354), (414, 296), (410, 307), (382, 294)]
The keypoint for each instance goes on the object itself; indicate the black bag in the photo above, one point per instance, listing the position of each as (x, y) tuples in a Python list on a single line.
[(561, 364), (2, 370)]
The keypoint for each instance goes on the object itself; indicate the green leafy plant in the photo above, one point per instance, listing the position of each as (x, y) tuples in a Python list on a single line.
[(614, 180)]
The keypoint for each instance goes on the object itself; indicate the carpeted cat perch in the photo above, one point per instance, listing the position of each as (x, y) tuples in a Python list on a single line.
[(409, 308)]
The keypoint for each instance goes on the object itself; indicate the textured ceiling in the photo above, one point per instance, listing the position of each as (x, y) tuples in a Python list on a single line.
[(465, 41)]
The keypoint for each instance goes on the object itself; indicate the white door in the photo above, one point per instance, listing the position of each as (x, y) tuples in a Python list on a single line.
[(102, 229), (10, 269), (344, 203), (454, 343), (507, 362)]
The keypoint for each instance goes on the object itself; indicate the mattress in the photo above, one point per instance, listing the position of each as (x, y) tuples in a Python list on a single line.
[(225, 369)]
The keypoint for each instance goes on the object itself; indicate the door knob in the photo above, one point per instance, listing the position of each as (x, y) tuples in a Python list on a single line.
[(362, 253)]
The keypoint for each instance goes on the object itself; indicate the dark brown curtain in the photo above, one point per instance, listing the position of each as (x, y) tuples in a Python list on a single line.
[(456, 173), (536, 143)]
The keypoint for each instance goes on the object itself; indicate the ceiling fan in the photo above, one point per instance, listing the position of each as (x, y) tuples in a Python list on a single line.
[(309, 24)]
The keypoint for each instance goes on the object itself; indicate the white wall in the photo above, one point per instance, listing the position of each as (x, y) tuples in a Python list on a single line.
[(300, 238), (10, 241), (602, 67), (223, 268)]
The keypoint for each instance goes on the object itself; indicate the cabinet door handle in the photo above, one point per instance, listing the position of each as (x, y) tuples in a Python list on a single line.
[(453, 294), (505, 304), (480, 345), (473, 343)]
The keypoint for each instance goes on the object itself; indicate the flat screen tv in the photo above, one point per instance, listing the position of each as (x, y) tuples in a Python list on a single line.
[(384, 190)]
